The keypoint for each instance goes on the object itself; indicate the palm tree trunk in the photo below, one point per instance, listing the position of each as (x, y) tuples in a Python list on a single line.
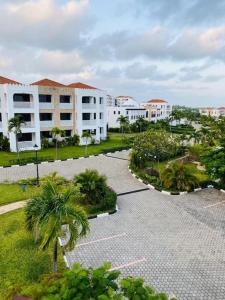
[(55, 257), (56, 150), (17, 148), (86, 147)]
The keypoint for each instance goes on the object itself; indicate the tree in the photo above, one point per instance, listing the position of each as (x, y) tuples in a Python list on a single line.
[(87, 136), (48, 212), (141, 124), (56, 133), (14, 125), (124, 123), (214, 161), (82, 284), (179, 176)]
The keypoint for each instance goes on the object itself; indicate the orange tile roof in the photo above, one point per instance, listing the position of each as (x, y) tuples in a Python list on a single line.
[(48, 82), (156, 101), (79, 85), (4, 80)]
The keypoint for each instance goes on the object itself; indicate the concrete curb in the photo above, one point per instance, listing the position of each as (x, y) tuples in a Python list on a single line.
[(171, 193), (68, 159)]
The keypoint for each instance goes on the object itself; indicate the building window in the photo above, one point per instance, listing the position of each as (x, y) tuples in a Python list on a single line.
[(65, 116), (68, 133), (86, 116), (114, 112), (25, 137), (118, 112), (127, 112), (93, 131), (45, 98), (25, 117), (100, 116), (21, 98), (45, 134), (0, 117), (45, 116), (101, 100), (94, 116), (101, 130), (64, 99)]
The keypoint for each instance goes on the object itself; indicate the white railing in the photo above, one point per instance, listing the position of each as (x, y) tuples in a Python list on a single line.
[(66, 105), (88, 106), (23, 104), (26, 145), (27, 125), (46, 105), (89, 122), (46, 124), (66, 123), (0, 125)]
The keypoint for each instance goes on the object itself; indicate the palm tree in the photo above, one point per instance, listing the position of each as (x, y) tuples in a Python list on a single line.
[(179, 176), (141, 123), (56, 133), (52, 214), (87, 136), (124, 122), (14, 125)]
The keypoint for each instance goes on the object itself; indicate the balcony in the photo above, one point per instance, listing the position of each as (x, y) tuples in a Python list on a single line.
[(28, 124), (88, 106), (66, 105), (47, 105), (66, 123), (23, 104), (89, 122), (29, 145), (46, 124)]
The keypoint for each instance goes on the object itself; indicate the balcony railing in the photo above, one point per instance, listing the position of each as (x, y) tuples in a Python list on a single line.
[(27, 125), (89, 122), (23, 105), (66, 105), (45, 124), (29, 145), (88, 106), (46, 105), (66, 123)]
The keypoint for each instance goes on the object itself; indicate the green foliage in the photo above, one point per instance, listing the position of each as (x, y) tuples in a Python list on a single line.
[(214, 160), (4, 143), (180, 177), (73, 140), (53, 177), (95, 190), (85, 284), (154, 145)]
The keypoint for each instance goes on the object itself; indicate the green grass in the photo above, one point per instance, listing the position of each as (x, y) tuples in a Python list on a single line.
[(13, 192), (114, 142), (21, 262)]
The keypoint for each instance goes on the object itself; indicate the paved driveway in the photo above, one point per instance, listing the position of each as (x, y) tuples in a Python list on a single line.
[(175, 242)]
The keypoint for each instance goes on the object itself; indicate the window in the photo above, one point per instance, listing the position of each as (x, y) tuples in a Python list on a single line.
[(68, 133), (101, 130), (101, 100), (94, 116), (26, 117), (21, 98), (100, 116), (65, 116), (86, 116), (114, 112), (0, 117), (45, 134), (25, 137), (127, 112), (118, 112), (45, 98), (45, 117), (64, 99), (93, 131)]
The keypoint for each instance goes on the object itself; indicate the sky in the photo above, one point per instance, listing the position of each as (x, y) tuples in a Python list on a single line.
[(167, 49)]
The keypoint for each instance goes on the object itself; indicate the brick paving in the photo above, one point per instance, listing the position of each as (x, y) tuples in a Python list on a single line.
[(175, 242)]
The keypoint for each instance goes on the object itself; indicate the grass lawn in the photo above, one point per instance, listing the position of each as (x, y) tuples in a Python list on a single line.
[(13, 192), (20, 260), (113, 143)]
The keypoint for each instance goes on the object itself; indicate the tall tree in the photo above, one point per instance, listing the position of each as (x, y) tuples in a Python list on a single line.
[(124, 122), (14, 125), (87, 136), (56, 133), (53, 214)]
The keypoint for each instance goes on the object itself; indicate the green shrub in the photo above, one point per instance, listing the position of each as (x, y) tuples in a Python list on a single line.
[(73, 140), (4, 143)]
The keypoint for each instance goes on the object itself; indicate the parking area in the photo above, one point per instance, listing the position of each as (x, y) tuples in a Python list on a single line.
[(175, 242)]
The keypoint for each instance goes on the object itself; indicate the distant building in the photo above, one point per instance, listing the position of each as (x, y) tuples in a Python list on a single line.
[(212, 111), (127, 107), (157, 109)]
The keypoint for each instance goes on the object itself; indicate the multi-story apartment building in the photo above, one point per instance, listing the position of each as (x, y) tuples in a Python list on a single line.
[(128, 108), (157, 109), (212, 111), (45, 104)]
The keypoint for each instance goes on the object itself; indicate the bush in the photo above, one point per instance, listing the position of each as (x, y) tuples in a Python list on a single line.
[(45, 143), (73, 140), (95, 190), (4, 143), (115, 130), (152, 172)]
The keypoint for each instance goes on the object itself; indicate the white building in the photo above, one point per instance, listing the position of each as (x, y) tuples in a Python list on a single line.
[(122, 100), (157, 109), (128, 108), (212, 111), (46, 104)]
